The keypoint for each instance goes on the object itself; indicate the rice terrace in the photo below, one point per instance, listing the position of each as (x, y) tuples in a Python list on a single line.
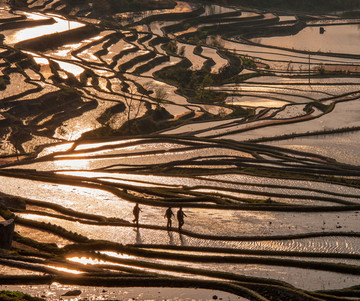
[(245, 114)]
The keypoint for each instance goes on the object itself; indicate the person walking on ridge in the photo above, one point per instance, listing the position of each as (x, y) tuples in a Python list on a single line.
[(136, 212), (180, 217), (169, 214)]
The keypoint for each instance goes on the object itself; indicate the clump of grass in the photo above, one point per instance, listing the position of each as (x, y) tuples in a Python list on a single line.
[(17, 296)]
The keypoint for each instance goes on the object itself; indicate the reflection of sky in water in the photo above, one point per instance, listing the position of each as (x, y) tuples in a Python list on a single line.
[(255, 102), (343, 147), (34, 16), (336, 39), (69, 67), (15, 36), (345, 114)]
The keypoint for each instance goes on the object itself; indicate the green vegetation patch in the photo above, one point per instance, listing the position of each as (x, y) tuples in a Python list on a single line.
[(194, 84), (17, 296)]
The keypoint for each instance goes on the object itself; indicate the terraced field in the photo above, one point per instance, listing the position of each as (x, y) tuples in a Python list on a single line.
[(194, 106)]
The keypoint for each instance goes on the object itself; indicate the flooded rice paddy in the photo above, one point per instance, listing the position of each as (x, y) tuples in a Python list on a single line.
[(311, 39), (257, 143)]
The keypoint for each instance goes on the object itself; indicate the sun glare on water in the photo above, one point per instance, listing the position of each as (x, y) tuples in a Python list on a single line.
[(66, 270), (60, 25)]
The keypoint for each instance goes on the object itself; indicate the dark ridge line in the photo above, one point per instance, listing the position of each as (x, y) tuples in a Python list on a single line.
[(316, 265), (53, 228), (142, 282), (326, 54), (80, 238), (117, 58), (26, 259), (162, 251), (281, 54), (71, 218), (151, 64), (77, 51), (42, 5), (230, 182), (210, 160), (277, 195), (112, 39), (123, 155), (278, 173), (307, 134), (246, 251), (279, 186), (188, 189), (12, 19), (26, 266), (121, 145), (338, 268), (315, 61), (271, 237), (104, 185), (251, 127), (243, 86), (195, 271), (51, 177), (307, 84), (351, 292), (57, 39), (222, 143), (274, 96), (26, 23), (240, 161), (6, 100), (331, 24), (294, 120), (66, 211)]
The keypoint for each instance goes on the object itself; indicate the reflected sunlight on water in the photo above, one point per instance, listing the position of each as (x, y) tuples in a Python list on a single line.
[(61, 25), (100, 144), (71, 68), (56, 148), (95, 261), (38, 59), (66, 270), (92, 261), (336, 38), (73, 164), (256, 102), (35, 16), (108, 177)]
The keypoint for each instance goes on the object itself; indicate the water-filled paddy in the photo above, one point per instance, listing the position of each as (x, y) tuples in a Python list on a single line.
[(335, 39), (60, 25), (284, 215)]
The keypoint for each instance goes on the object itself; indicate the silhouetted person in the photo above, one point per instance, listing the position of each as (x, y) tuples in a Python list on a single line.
[(136, 212), (169, 214), (180, 216)]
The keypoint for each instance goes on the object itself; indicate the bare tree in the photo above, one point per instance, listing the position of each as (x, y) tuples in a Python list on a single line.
[(132, 107)]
